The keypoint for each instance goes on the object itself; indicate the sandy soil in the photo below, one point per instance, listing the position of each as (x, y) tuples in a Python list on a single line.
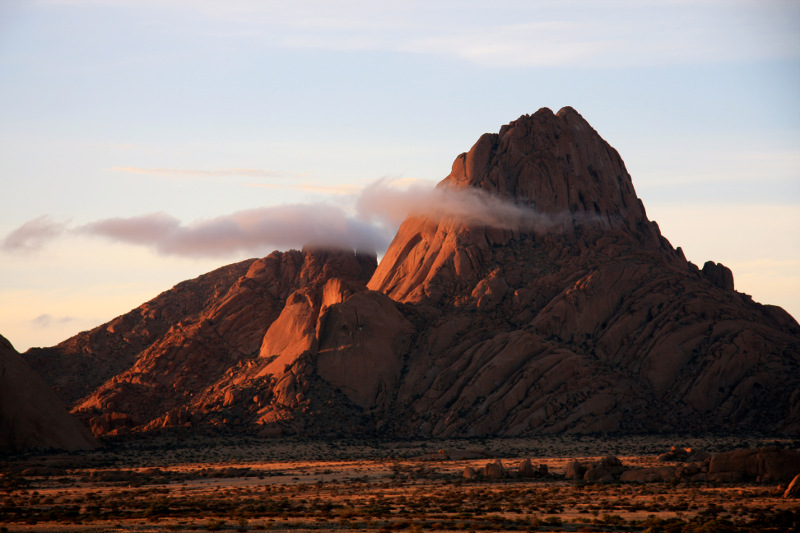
[(248, 484)]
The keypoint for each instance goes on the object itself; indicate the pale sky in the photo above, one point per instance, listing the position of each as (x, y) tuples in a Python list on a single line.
[(143, 143)]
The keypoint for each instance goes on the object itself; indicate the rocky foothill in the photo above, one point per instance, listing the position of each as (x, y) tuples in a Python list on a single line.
[(577, 316)]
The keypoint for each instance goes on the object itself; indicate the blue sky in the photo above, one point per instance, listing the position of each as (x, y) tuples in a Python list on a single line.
[(174, 113)]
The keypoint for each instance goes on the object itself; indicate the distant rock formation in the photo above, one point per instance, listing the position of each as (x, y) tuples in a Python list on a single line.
[(31, 415), (578, 318)]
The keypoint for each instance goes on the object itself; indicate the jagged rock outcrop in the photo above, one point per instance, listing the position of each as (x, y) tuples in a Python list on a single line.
[(576, 316), (173, 374), (31, 415)]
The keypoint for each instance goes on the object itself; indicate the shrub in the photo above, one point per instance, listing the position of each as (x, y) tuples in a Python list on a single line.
[(214, 525)]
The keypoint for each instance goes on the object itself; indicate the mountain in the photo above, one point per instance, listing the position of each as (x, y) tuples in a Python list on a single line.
[(31, 415), (568, 313), (146, 367)]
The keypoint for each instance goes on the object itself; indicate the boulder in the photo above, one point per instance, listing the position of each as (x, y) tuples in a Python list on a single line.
[(675, 454), (719, 275), (525, 468), (762, 465), (607, 470), (575, 470), (598, 474), (494, 470), (469, 473)]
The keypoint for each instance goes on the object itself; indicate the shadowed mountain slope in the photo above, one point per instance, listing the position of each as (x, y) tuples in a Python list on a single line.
[(31, 415)]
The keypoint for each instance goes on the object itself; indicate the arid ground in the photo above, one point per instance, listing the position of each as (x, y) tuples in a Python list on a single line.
[(249, 484)]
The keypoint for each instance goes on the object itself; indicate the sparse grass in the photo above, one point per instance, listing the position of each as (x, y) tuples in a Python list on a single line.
[(254, 485)]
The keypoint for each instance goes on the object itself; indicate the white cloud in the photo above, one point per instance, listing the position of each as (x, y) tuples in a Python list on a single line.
[(577, 32)]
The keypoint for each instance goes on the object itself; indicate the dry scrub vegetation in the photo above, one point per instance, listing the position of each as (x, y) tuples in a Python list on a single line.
[(248, 484)]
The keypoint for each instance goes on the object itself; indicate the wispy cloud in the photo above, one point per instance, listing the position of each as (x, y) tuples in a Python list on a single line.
[(33, 235), (535, 44), (368, 225), (504, 33), (309, 187), (385, 203), (46, 321), (514, 34), (198, 173)]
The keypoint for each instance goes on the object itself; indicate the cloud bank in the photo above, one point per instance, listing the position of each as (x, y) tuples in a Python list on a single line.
[(379, 209), (255, 230)]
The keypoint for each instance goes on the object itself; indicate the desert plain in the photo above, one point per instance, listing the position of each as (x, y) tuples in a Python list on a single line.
[(203, 483)]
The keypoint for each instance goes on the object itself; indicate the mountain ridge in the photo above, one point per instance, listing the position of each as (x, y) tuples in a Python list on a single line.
[(587, 320)]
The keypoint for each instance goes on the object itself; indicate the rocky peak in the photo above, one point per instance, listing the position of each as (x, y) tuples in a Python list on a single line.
[(577, 189), (555, 163)]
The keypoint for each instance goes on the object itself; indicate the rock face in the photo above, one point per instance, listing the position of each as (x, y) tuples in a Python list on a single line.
[(218, 357), (31, 415), (575, 316)]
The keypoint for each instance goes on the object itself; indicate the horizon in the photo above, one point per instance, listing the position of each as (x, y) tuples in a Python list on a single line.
[(178, 114)]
